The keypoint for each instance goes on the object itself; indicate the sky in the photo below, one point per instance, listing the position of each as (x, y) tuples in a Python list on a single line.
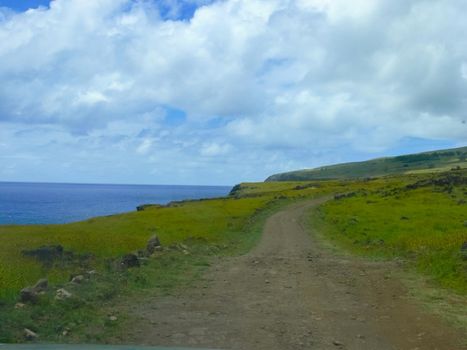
[(218, 92)]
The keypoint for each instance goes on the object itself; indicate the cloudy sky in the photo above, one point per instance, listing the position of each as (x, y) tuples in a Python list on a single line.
[(218, 92)]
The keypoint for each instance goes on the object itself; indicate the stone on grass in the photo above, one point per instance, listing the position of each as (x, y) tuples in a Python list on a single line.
[(28, 295), (41, 285), (30, 335), (152, 244), (45, 254), (77, 279), (130, 260), (62, 294), (91, 273)]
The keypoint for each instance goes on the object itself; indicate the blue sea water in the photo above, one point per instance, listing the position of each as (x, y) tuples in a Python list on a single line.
[(50, 203)]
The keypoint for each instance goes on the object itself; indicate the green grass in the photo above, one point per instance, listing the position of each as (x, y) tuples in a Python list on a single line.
[(427, 162), (217, 227), (216, 221), (383, 218), (205, 228), (424, 226), (85, 316)]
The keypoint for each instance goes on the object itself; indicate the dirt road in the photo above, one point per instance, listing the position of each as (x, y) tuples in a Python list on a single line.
[(292, 293)]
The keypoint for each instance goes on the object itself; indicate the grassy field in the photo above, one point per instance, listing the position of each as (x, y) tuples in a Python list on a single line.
[(216, 221), (424, 224), (418, 217), (427, 162), (192, 232)]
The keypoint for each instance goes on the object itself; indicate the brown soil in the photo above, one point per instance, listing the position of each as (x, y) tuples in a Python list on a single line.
[(290, 292)]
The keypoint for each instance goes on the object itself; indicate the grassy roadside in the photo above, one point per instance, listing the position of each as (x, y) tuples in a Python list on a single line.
[(418, 221), (422, 288), (422, 222), (93, 315)]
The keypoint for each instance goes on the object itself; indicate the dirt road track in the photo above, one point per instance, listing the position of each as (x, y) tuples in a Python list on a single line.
[(291, 293)]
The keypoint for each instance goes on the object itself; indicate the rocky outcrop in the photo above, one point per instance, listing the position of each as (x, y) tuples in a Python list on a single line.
[(235, 190), (28, 295), (143, 207), (338, 196), (129, 260), (41, 285), (56, 255), (45, 254), (153, 244), (447, 180), (31, 294)]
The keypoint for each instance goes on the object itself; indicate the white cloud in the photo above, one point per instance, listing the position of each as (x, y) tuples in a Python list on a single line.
[(144, 147), (281, 77), (213, 149), (91, 98)]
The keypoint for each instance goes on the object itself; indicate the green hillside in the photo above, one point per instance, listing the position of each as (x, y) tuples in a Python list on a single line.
[(413, 163)]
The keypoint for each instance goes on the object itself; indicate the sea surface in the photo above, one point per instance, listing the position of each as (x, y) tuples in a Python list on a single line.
[(52, 203)]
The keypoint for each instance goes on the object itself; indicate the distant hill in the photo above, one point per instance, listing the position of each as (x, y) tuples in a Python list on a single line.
[(413, 163)]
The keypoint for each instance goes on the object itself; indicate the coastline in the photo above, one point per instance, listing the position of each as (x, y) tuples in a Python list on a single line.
[(33, 203)]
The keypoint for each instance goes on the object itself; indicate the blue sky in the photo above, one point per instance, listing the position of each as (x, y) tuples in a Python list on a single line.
[(23, 5), (183, 11), (218, 92)]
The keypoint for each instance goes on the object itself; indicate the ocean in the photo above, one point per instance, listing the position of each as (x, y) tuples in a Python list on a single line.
[(54, 203)]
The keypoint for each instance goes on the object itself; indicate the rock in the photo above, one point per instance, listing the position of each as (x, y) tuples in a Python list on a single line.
[(19, 305), (28, 295), (152, 244), (338, 196), (130, 260), (113, 318), (464, 251), (91, 273), (45, 254), (41, 285), (235, 190), (142, 254), (77, 279), (338, 343), (303, 187), (30, 335), (62, 294), (143, 207), (465, 223)]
